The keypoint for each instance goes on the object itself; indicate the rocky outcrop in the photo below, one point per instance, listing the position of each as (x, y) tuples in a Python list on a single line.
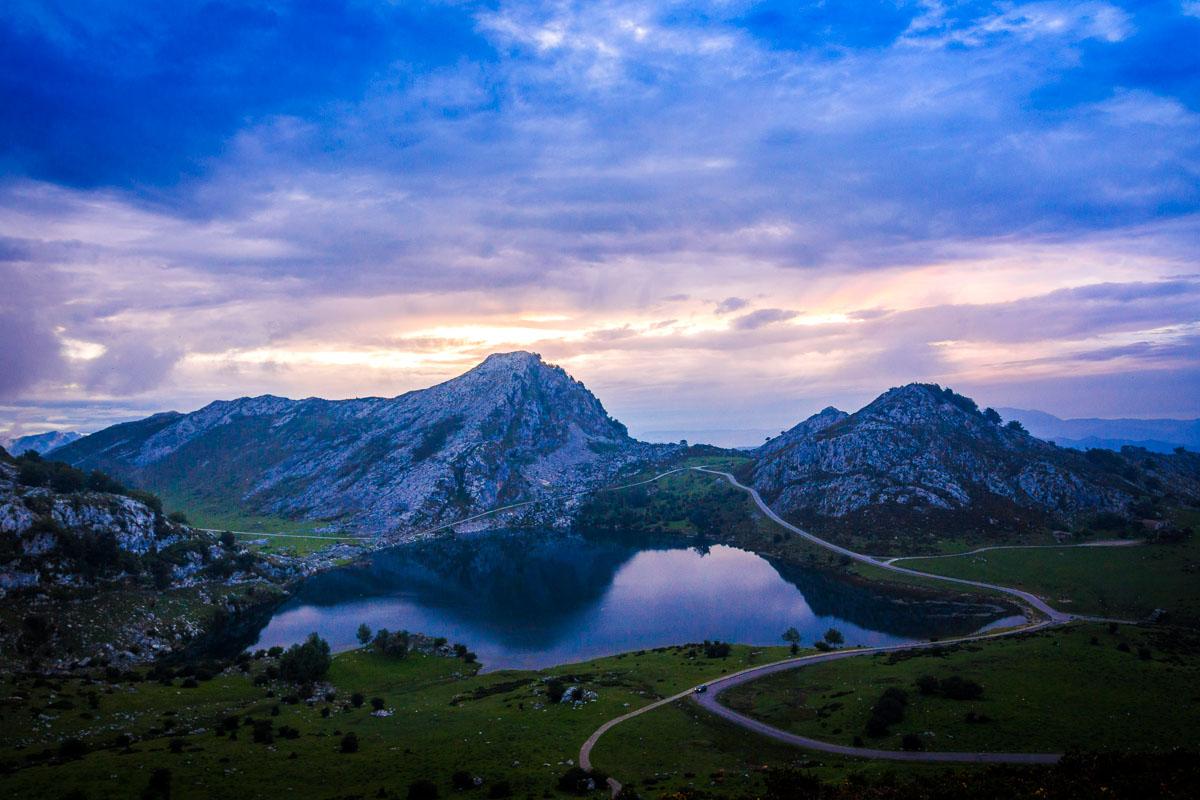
[(512, 429), (920, 450)]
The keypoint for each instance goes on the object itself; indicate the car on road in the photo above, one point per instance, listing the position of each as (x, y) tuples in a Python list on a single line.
[(701, 689)]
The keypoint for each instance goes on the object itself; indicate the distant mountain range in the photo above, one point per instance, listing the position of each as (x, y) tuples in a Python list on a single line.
[(41, 443), (1159, 435), (512, 429)]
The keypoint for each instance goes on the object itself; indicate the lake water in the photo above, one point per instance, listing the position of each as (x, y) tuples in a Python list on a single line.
[(532, 600)]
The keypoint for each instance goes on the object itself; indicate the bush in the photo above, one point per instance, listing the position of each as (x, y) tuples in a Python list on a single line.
[(912, 741), (554, 690), (462, 780), (500, 790), (71, 749), (377, 703), (887, 711), (305, 663), (388, 643), (422, 790), (350, 743), (716, 649), (956, 688), (178, 517), (357, 699), (577, 780)]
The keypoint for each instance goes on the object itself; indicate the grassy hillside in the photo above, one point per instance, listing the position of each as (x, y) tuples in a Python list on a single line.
[(1082, 687), (445, 718), (1123, 582)]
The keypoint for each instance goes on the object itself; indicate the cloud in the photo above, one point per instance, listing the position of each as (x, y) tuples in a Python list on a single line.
[(764, 316), (731, 304), (129, 367), (364, 198)]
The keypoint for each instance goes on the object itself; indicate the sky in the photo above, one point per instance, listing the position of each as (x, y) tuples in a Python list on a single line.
[(715, 214)]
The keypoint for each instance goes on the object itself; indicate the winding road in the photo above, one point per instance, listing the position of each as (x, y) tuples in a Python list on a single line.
[(709, 699)]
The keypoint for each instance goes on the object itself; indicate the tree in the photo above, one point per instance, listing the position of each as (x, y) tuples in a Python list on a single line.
[(1015, 426), (228, 540), (992, 416), (305, 663), (834, 636), (364, 634), (377, 703), (792, 636), (357, 699), (350, 743)]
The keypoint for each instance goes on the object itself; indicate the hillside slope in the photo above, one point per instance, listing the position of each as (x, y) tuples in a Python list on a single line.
[(922, 460), (512, 429)]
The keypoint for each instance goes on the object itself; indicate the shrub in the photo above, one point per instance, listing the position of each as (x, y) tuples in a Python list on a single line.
[(71, 749), (350, 743), (500, 790), (304, 663), (716, 649), (554, 690), (957, 688), (462, 780), (577, 780), (377, 703), (912, 741), (357, 699), (888, 710)]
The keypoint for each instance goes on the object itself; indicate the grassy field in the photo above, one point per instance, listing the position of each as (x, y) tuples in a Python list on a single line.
[(1049, 691), (1123, 582), (445, 718)]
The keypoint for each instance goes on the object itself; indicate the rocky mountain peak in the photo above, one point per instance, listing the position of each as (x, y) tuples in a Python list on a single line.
[(510, 429)]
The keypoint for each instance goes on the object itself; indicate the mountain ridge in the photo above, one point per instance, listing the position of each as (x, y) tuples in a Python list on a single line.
[(926, 459), (512, 428)]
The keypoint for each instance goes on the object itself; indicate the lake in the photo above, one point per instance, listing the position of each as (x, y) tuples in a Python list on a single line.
[(532, 600)]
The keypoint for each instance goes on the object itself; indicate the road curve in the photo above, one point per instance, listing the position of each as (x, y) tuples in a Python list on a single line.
[(1030, 599), (709, 699)]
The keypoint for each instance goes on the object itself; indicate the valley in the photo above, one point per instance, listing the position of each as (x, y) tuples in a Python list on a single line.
[(501, 572)]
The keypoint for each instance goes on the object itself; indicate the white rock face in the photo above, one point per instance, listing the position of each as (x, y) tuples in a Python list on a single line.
[(512, 429)]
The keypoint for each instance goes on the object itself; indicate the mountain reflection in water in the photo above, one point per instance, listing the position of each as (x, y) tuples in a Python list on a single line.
[(531, 600)]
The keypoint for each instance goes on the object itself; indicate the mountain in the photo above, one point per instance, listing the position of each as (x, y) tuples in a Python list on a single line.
[(922, 458), (1159, 435), (42, 443), (512, 429)]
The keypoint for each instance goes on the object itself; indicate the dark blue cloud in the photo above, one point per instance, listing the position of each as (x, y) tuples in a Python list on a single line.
[(1161, 55), (141, 94)]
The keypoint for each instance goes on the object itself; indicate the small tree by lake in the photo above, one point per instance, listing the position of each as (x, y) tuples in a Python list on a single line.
[(364, 634), (305, 663), (834, 636), (792, 636)]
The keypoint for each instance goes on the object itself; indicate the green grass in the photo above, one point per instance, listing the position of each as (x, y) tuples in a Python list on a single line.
[(1122, 582), (1048, 691), (446, 718)]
